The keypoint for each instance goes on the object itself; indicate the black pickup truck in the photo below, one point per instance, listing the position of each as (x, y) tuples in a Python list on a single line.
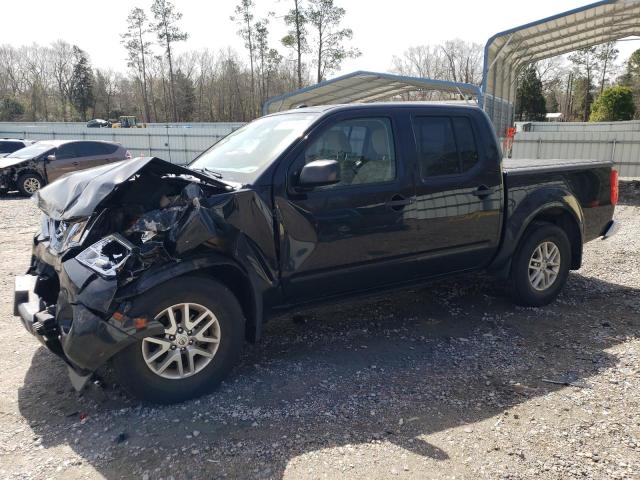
[(166, 270)]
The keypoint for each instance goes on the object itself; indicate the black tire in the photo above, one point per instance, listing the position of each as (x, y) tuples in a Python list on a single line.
[(523, 291), (137, 378), (26, 181)]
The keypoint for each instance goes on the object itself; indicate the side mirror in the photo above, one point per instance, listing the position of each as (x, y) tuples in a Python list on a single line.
[(51, 158), (319, 173)]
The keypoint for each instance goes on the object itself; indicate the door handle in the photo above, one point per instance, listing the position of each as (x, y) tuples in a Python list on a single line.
[(482, 191), (75, 164), (398, 202)]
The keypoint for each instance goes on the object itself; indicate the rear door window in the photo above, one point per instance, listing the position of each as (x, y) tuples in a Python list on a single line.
[(87, 149), (446, 145)]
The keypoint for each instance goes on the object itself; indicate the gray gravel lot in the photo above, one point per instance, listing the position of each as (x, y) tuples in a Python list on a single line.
[(445, 381)]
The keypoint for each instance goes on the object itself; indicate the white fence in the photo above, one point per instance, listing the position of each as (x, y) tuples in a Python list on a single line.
[(177, 143), (616, 141)]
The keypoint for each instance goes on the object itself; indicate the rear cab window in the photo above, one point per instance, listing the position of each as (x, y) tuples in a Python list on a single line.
[(446, 145)]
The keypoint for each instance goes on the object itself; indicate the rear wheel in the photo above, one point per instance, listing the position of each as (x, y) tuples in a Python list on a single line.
[(202, 340), (30, 183), (541, 265)]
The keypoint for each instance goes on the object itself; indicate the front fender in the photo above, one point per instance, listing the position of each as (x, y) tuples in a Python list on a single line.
[(524, 207), (252, 287)]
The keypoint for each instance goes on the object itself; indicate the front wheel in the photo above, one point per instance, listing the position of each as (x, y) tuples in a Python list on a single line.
[(30, 183), (540, 265), (203, 337)]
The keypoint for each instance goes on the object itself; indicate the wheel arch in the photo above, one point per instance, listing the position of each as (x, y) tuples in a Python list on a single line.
[(218, 267), (557, 206)]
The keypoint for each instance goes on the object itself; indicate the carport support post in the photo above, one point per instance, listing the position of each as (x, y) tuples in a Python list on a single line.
[(493, 97), (613, 150)]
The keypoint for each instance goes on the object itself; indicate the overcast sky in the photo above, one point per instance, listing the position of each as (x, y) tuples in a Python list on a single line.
[(381, 28)]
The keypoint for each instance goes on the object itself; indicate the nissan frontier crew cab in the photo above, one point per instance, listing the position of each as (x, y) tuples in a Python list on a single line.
[(164, 270)]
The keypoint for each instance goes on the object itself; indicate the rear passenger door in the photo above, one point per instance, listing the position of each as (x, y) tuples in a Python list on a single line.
[(93, 154), (458, 190)]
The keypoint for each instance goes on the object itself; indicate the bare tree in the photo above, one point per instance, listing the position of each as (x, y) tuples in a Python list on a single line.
[(585, 64), (168, 33), (296, 38), (62, 54), (105, 92), (464, 60), (244, 18), (138, 48), (607, 53), (330, 51)]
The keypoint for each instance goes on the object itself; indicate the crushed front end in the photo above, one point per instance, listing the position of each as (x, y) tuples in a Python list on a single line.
[(98, 237)]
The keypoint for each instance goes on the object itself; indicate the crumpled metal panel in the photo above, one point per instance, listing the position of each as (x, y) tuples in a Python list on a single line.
[(77, 195)]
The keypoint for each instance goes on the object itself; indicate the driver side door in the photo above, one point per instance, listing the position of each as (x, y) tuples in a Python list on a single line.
[(355, 234), (65, 162)]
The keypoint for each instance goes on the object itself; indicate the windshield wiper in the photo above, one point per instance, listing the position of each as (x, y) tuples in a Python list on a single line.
[(213, 173)]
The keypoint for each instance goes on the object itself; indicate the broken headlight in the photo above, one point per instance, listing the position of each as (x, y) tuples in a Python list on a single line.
[(106, 256), (64, 235)]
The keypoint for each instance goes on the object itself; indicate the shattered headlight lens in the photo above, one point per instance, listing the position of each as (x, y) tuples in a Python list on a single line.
[(106, 256), (64, 235), (75, 234)]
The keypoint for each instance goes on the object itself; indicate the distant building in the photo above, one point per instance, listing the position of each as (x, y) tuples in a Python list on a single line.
[(555, 117)]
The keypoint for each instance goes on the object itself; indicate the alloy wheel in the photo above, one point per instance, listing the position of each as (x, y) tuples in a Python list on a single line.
[(31, 185), (544, 265), (190, 341)]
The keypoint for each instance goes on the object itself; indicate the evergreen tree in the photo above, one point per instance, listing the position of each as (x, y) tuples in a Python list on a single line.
[(10, 110), (530, 99), (185, 96), (614, 104), (82, 95)]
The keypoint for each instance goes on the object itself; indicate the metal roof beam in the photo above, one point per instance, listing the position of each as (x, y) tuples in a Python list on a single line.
[(576, 23), (571, 46), (387, 91), (569, 37)]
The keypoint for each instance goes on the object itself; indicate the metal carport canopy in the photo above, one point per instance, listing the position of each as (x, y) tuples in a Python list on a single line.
[(507, 52), (362, 86)]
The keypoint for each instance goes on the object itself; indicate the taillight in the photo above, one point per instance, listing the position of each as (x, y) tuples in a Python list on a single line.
[(615, 190), (128, 155)]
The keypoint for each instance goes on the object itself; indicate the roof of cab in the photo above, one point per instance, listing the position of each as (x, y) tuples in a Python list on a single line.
[(323, 109)]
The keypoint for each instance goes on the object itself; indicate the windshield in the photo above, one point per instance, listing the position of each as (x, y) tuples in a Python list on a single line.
[(243, 154), (31, 151)]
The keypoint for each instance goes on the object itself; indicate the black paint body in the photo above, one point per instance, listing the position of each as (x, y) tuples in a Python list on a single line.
[(277, 246)]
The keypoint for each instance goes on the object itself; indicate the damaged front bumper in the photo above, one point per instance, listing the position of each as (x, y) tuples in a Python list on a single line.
[(70, 310)]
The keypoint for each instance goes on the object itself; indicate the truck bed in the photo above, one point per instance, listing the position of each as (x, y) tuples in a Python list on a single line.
[(519, 166), (586, 180)]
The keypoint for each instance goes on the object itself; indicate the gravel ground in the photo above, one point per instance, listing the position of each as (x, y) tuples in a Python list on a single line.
[(446, 381)]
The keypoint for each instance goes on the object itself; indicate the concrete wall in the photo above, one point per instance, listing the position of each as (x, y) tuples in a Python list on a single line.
[(178, 143)]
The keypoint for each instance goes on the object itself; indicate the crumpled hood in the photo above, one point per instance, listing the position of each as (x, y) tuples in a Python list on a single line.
[(11, 162), (77, 195)]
